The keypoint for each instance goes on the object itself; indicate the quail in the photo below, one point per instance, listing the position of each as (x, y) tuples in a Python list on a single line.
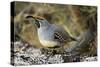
[(50, 35)]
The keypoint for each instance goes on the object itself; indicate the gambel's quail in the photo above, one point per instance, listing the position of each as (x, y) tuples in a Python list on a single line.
[(51, 35)]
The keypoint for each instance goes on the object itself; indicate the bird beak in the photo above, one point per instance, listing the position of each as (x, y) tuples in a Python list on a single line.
[(34, 18)]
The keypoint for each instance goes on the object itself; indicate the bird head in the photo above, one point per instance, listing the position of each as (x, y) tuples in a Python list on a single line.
[(39, 21)]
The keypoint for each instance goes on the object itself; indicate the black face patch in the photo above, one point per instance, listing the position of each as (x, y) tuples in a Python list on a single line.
[(37, 23)]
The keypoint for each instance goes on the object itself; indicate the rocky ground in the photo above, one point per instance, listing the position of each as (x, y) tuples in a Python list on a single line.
[(24, 54)]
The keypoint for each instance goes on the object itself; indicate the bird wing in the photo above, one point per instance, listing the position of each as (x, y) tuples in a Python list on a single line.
[(61, 35)]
